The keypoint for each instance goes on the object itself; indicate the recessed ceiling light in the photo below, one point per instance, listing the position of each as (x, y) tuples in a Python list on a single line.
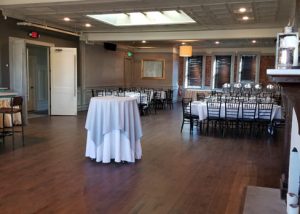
[(67, 19), (217, 42), (88, 25), (183, 43), (245, 18), (167, 17), (242, 10), (144, 41), (253, 41)]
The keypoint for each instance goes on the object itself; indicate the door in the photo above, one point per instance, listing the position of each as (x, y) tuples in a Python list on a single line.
[(31, 82), (63, 89), (127, 72), (38, 74)]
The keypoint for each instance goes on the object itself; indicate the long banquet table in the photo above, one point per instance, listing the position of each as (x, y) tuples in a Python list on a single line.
[(114, 129), (199, 108)]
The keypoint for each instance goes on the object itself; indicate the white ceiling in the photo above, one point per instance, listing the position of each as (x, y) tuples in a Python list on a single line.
[(210, 15)]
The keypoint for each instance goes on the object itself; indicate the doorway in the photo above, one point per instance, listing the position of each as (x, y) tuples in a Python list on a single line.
[(127, 72), (62, 72), (37, 80)]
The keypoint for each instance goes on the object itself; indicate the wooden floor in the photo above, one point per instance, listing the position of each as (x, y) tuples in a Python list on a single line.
[(178, 173)]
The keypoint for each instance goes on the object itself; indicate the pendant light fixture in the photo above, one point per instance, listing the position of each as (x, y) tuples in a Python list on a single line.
[(185, 51)]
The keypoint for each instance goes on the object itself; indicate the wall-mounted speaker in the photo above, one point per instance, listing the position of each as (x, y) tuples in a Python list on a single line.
[(110, 46)]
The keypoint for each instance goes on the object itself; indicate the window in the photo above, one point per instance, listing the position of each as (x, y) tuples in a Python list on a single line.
[(221, 70), (248, 68), (194, 70)]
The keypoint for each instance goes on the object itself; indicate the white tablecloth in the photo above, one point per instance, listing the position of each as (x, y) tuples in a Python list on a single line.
[(114, 129), (199, 108)]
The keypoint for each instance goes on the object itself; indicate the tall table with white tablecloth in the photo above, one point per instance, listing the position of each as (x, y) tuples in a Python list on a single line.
[(114, 129)]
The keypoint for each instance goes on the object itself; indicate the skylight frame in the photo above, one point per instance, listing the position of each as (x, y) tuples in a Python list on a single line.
[(167, 17)]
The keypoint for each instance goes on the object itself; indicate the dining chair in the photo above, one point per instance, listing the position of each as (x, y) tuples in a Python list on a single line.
[(121, 93), (93, 92), (97, 93), (213, 114), (143, 103), (169, 98), (264, 117), (232, 110), (188, 118), (157, 101), (108, 93), (248, 115), (16, 104)]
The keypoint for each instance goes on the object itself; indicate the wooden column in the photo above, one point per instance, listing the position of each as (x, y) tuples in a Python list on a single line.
[(291, 100)]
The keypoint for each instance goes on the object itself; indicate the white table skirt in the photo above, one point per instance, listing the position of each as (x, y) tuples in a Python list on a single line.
[(199, 108), (114, 129), (115, 146)]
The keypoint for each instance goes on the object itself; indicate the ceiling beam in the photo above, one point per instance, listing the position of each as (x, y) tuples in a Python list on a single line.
[(180, 35)]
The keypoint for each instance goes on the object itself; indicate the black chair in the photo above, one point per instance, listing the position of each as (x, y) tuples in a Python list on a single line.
[(232, 110), (97, 92), (144, 103), (169, 98), (248, 115), (264, 116), (213, 114), (16, 104), (93, 92), (157, 102), (188, 118), (121, 93), (108, 92)]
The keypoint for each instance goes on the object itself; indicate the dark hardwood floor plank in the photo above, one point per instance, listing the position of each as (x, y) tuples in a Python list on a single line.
[(178, 173)]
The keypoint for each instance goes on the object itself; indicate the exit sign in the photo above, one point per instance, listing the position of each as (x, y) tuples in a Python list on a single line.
[(34, 34)]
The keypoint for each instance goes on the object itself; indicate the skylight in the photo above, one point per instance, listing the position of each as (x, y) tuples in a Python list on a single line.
[(168, 17)]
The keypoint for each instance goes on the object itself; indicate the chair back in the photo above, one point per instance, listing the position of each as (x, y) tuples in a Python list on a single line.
[(148, 93), (99, 93), (249, 110), (17, 101), (144, 98), (265, 111), (186, 106), (232, 110), (169, 94), (213, 109), (108, 93), (157, 95), (121, 93)]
